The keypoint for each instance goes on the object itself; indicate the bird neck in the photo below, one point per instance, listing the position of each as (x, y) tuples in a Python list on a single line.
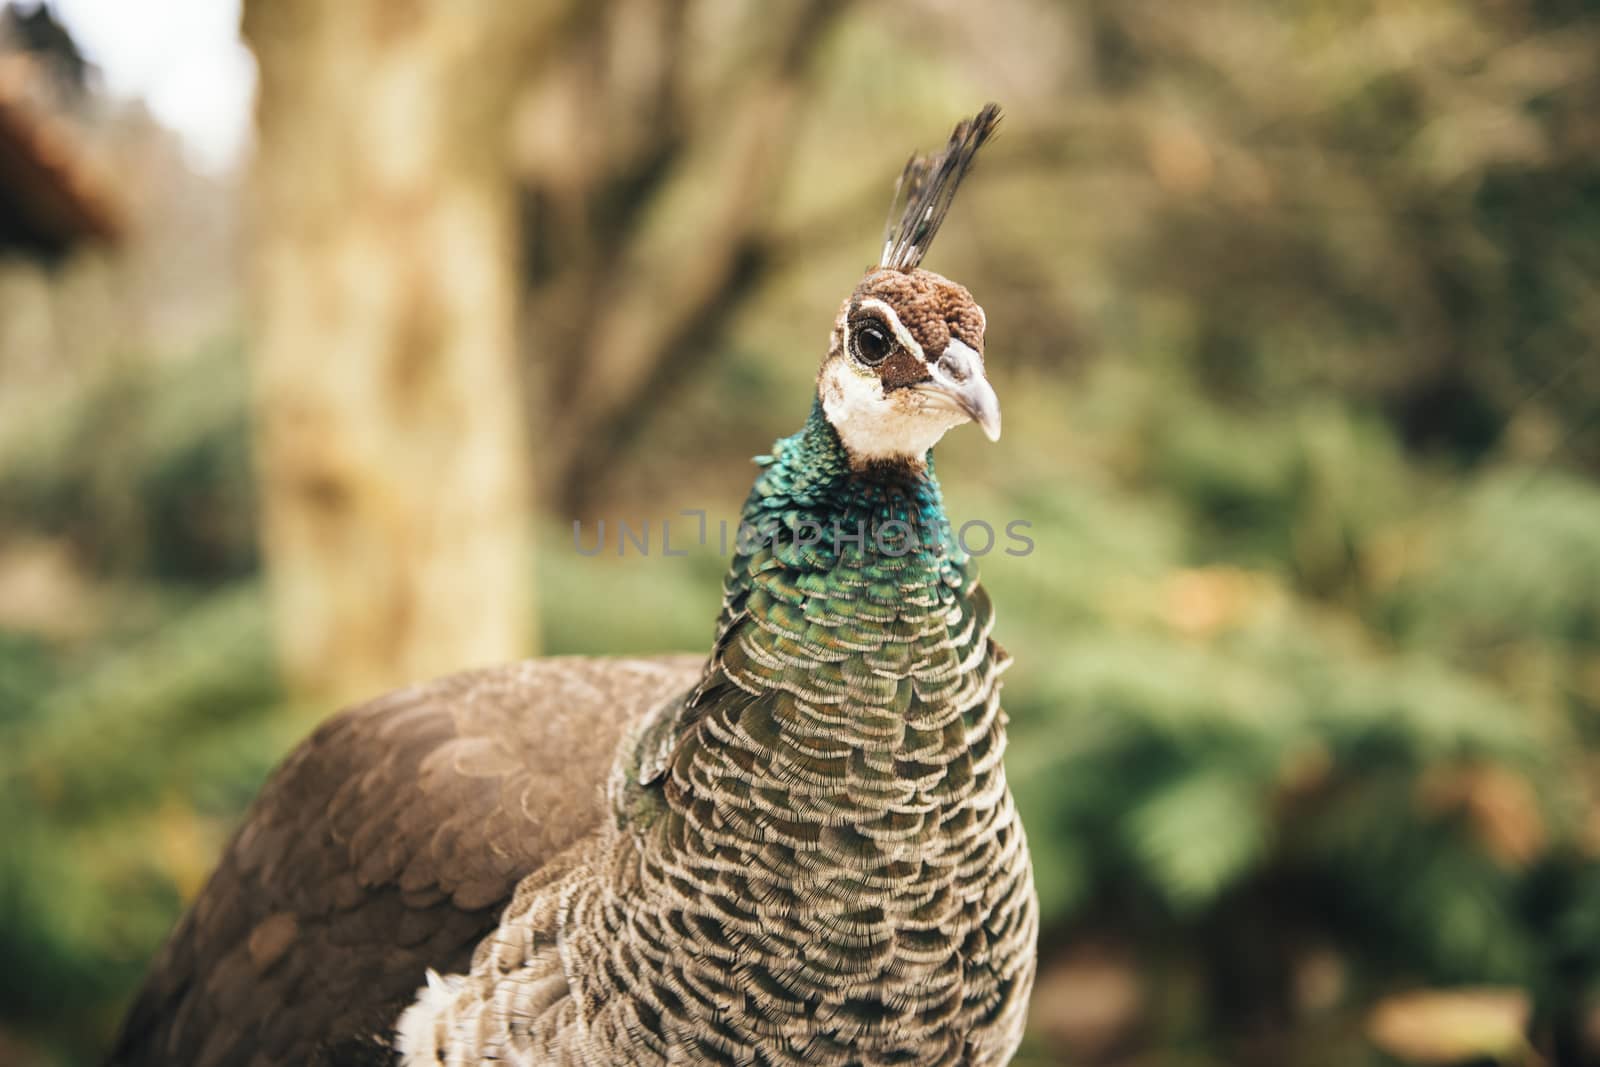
[(880, 516), (853, 646)]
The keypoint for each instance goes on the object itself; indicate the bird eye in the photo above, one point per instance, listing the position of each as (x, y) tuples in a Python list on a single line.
[(870, 343)]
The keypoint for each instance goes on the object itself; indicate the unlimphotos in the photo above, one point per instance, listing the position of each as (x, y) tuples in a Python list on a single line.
[(801, 850)]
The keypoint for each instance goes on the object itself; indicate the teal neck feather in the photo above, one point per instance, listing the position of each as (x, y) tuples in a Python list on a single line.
[(850, 616), (884, 523)]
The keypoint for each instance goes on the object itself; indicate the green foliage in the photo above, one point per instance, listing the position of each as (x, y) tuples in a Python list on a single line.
[(116, 787), (1196, 833), (672, 600), (147, 471), (1479, 587), (1347, 701)]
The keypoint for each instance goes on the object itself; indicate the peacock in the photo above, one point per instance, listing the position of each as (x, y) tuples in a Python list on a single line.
[(799, 850)]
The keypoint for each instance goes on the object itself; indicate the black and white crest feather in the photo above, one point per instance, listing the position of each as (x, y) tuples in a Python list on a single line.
[(926, 188)]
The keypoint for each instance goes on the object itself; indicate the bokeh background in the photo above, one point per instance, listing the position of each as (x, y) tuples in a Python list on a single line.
[(321, 323)]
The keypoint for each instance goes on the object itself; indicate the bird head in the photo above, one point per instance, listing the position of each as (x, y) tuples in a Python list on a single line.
[(905, 363)]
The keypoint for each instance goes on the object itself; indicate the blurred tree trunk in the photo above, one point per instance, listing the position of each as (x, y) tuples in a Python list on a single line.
[(389, 416)]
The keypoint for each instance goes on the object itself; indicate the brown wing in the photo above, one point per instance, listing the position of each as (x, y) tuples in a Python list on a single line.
[(386, 844)]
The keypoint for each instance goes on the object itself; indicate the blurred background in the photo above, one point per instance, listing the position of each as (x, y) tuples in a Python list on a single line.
[(321, 323)]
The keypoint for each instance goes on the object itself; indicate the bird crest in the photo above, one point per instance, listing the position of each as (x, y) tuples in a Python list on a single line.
[(926, 188)]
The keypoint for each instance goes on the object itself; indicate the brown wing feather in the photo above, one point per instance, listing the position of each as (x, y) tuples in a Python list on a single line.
[(386, 844)]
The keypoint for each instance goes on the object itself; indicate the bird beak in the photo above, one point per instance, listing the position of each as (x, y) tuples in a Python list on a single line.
[(958, 377)]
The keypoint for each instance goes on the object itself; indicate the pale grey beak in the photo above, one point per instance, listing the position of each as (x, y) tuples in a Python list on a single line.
[(958, 377)]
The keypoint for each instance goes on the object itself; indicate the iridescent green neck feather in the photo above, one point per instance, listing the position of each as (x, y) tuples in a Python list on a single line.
[(881, 530)]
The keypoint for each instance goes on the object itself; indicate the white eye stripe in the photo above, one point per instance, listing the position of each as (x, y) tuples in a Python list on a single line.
[(901, 334), (841, 326)]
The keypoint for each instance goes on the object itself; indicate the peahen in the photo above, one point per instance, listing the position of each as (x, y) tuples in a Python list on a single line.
[(801, 850)]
